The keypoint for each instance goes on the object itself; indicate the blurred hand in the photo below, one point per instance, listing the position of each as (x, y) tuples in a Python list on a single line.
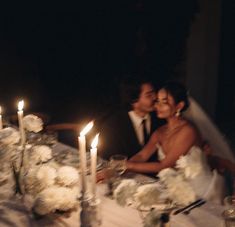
[(104, 175)]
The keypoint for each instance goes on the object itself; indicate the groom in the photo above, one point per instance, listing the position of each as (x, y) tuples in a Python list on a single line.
[(129, 129)]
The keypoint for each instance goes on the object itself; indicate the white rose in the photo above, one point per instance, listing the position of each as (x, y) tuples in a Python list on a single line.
[(125, 191), (39, 178), (67, 176), (32, 123), (41, 153), (147, 195), (55, 198)]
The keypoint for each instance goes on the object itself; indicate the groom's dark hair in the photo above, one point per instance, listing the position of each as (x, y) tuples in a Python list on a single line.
[(130, 89)]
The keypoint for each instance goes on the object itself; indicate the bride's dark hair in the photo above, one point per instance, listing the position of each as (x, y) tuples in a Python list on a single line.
[(178, 92)]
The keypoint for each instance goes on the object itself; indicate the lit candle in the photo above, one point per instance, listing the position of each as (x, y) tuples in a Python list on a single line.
[(20, 120), (93, 164), (82, 153), (1, 118)]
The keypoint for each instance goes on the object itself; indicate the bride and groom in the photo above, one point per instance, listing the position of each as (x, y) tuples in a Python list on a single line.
[(179, 143)]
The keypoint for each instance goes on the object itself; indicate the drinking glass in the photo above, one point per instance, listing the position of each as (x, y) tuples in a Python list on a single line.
[(118, 163)]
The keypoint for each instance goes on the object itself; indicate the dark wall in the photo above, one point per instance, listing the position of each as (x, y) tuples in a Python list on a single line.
[(69, 59), (226, 91)]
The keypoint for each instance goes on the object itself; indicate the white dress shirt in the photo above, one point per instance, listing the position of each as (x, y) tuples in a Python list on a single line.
[(138, 126)]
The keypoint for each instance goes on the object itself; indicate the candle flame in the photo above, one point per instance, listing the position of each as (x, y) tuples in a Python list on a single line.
[(87, 128), (21, 105), (95, 141), (0, 110)]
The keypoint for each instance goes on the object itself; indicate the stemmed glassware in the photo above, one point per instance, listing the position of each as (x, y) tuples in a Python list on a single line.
[(115, 168), (118, 163)]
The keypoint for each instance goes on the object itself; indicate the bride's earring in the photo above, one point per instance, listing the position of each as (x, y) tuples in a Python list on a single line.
[(177, 114)]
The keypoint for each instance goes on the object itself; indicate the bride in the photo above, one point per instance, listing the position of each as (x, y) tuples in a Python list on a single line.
[(177, 139)]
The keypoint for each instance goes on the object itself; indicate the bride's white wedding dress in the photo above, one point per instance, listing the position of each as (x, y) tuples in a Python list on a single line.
[(196, 172)]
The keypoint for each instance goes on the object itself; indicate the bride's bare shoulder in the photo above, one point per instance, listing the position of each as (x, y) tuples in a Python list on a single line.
[(189, 129)]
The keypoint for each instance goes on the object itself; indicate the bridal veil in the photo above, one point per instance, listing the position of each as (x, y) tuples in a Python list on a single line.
[(209, 131)]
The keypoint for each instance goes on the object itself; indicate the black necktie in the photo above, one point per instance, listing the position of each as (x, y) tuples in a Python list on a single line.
[(145, 133)]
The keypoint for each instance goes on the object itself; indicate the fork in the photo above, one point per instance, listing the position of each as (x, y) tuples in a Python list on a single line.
[(186, 212)]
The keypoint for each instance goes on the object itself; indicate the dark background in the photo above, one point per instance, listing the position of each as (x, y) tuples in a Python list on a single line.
[(68, 60)]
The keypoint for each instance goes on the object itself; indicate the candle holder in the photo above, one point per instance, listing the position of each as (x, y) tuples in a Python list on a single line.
[(90, 215), (20, 169)]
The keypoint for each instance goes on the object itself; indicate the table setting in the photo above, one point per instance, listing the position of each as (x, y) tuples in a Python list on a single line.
[(47, 183)]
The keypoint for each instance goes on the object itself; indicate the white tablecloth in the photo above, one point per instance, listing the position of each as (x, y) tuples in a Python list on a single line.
[(16, 212)]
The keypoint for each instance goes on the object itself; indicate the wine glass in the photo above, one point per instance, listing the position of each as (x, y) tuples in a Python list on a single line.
[(115, 168), (118, 163)]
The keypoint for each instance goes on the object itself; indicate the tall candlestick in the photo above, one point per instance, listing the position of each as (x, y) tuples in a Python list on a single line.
[(93, 165), (1, 118), (20, 120), (82, 153)]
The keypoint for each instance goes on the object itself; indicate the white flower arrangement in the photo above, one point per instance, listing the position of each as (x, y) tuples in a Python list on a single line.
[(53, 189), (147, 195), (9, 136), (54, 198), (67, 176), (39, 178), (130, 192), (125, 191), (144, 198), (46, 176), (49, 186), (172, 190), (32, 123), (41, 153)]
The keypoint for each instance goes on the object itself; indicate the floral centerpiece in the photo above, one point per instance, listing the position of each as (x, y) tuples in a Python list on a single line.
[(148, 199), (31, 171), (175, 188)]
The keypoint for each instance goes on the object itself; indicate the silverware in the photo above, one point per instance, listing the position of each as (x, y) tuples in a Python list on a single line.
[(186, 212), (188, 206)]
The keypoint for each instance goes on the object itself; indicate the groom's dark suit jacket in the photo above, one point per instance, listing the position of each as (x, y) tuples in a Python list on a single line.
[(118, 135)]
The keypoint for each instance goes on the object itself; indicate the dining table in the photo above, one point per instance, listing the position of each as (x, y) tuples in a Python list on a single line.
[(15, 211)]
